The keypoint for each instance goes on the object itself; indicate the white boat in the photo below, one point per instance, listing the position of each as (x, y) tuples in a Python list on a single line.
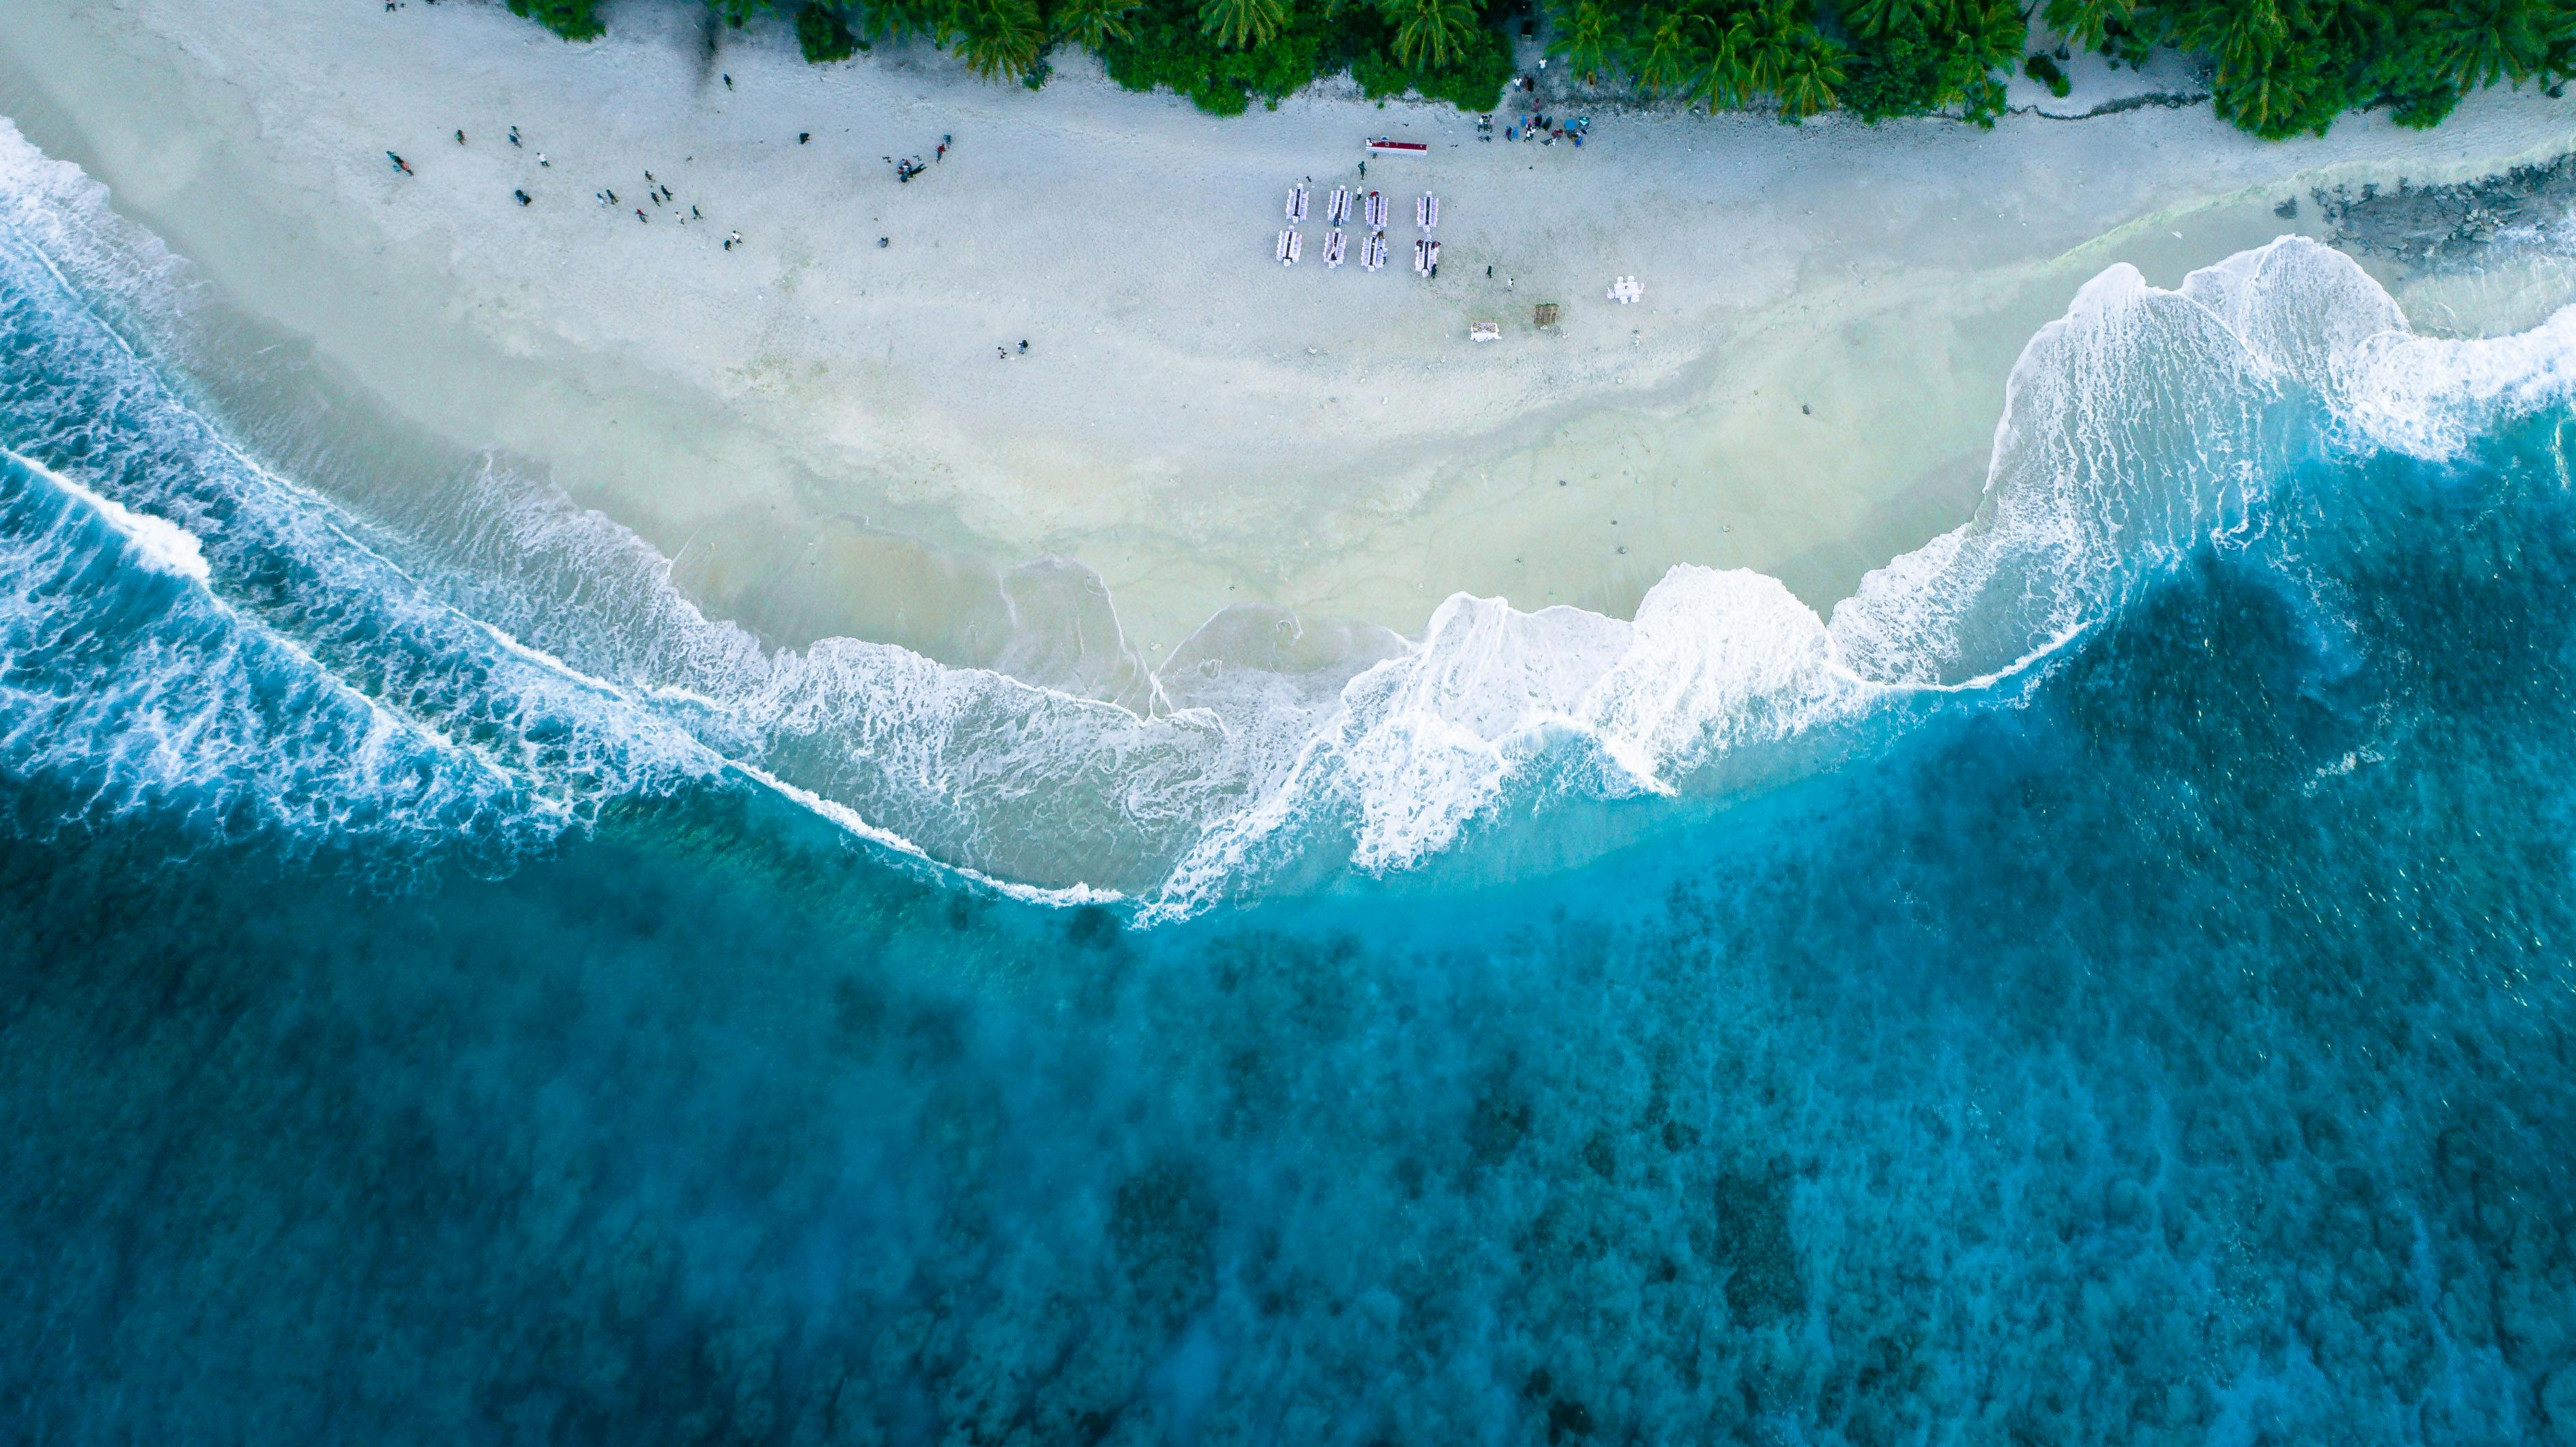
[(1335, 243)]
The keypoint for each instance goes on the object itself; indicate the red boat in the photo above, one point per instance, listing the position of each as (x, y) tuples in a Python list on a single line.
[(1384, 147)]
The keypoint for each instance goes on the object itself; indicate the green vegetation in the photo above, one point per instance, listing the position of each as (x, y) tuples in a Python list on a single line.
[(571, 19), (2280, 67), (824, 36), (2286, 66), (2043, 68)]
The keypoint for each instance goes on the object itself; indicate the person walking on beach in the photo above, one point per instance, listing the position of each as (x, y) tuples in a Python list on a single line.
[(399, 163), (460, 138), (514, 135), (522, 195), (640, 216)]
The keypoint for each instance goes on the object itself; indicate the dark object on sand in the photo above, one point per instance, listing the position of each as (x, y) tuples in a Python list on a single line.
[(1544, 314), (522, 195), (399, 163), (803, 136), (881, 243)]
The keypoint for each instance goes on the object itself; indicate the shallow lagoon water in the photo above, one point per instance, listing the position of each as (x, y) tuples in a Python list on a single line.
[(407, 1037)]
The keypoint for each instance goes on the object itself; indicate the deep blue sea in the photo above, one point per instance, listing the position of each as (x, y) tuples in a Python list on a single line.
[(2111, 983)]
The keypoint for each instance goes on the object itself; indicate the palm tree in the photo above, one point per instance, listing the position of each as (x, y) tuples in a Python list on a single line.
[(999, 37), (1877, 17), (1724, 77), (1429, 34), (1808, 86), (897, 19), (1585, 43), (1243, 23), (2088, 23), (1992, 31), (1664, 61), (1774, 49), (1092, 24), (2484, 41), (2248, 40)]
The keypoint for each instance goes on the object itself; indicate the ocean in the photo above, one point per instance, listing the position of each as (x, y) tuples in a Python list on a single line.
[(2109, 982)]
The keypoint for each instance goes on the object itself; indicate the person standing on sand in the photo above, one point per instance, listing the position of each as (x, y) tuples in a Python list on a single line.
[(399, 163), (514, 135), (460, 138)]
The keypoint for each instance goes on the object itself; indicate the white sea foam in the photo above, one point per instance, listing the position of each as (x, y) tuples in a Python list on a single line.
[(544, 651), (154, 542)]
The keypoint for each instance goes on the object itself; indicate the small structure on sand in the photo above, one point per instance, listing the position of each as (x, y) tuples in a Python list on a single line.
[(1485, 331), (1544, 314), (1627, 290)]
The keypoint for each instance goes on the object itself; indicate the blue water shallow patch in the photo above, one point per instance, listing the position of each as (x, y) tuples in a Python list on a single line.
[(2180, 1053)]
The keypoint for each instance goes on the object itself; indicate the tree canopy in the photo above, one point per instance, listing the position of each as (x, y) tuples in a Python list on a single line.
[(2278, 67)]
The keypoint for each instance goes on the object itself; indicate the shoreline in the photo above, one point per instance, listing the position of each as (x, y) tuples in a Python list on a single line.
[(814, 430)]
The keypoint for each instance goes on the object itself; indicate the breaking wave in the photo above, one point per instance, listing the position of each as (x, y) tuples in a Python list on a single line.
[(183, 626)]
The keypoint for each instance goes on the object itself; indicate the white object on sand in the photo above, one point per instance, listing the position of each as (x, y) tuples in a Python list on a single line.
[(1337, 211), (1296, 205), (1336, 242)]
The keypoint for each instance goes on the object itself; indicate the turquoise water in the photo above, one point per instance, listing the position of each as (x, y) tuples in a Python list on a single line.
[(2112, 985)]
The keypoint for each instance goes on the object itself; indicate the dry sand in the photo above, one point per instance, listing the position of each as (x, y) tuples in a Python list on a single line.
[(820, 429)]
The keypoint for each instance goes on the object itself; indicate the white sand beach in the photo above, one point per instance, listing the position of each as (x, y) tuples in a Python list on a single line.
[(837, 436)]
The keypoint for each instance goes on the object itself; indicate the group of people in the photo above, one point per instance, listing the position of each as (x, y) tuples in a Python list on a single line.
[(1548, 130), (911, 166), (655, 190)]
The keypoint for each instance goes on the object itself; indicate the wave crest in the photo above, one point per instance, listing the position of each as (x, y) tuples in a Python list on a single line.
[(497, 654)]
